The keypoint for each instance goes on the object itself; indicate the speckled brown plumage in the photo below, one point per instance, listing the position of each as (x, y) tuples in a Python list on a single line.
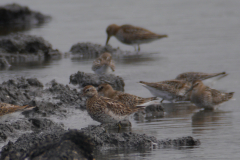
[(6, 108), (103, 109), (205, 97), (103, 63), (191, 76), (130, 100), (169, 90), (132, 35)]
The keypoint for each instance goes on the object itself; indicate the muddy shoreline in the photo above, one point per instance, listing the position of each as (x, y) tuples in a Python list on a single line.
[(37, 130)]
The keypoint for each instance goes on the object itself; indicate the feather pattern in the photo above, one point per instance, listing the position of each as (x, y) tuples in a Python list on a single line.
[(206, 97), (103, 109), (6, 108), (132, 35), (130, 100), (169, 90), (102, 64)]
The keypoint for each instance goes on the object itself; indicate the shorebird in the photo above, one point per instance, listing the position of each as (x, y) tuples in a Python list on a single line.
[(129, 100), (6, 108), (105, 110), (191, 76), (102, 64), (132, 35), (205, 97), (171, 90)]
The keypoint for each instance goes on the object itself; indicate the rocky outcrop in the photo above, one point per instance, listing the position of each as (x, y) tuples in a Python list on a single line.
[(17, 14), (26, 44), (83, 79), (41, 137), (20, 91), (90, 50), (79, 143), (15, 18), (25, 48)]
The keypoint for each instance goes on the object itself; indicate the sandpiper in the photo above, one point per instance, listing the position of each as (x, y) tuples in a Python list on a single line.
[(102, 64), (6, 108), (205, 97), (171, 90), (191, 76), (129, 100), (103, 109), (132, 35)]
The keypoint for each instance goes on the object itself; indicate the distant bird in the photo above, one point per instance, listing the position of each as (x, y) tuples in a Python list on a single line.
[(171, 90), (129, 100), (103, 109), (191, 76), (6, 108), (132, 35), (205, 97), (102, 64)]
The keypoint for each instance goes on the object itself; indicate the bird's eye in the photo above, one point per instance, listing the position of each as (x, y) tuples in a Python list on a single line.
[(100, 88), (87, 90)]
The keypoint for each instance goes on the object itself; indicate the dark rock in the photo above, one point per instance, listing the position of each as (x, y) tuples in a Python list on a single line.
[(34, 82), (84, 79), (49, 139), (65, 94), (20, 91), (17, 14), (89, 50), (50, 132), (26, 45), (13, 129), (103, 140), (71, 145), (154, 108), (77, 143)]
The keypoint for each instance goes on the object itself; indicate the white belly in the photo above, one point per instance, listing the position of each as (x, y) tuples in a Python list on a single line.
[(158, 93)]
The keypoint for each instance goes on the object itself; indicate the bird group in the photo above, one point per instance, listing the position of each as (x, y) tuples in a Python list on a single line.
[(105, 104)]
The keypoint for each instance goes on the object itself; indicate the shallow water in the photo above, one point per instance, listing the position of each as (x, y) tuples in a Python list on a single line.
[(203, 36)]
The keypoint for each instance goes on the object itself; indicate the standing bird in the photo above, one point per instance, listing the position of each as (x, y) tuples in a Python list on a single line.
[(132, 35), (103, 109), (102, 64), (6, 108), (191, 76), (205, 97), (170, 90), (129, 100)]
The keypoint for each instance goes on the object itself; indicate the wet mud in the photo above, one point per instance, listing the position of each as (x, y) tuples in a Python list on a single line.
[(38, 136)]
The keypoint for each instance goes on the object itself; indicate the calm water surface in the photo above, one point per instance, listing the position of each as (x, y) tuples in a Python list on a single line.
[(203, 36)]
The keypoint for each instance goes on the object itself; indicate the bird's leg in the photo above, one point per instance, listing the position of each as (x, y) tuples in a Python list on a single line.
[(138, 47), (161, 100), (135, 48), (119, 126)]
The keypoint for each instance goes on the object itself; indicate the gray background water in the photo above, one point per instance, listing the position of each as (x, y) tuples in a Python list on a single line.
[(203, 36)]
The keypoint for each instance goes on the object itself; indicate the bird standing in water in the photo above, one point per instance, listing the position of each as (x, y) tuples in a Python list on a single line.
[(132, 35), (102, 64), (105, 110), (130, 100), (205, 97)]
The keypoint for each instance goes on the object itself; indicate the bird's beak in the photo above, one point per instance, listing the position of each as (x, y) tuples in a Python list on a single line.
[(108, 37), (188, 91)]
